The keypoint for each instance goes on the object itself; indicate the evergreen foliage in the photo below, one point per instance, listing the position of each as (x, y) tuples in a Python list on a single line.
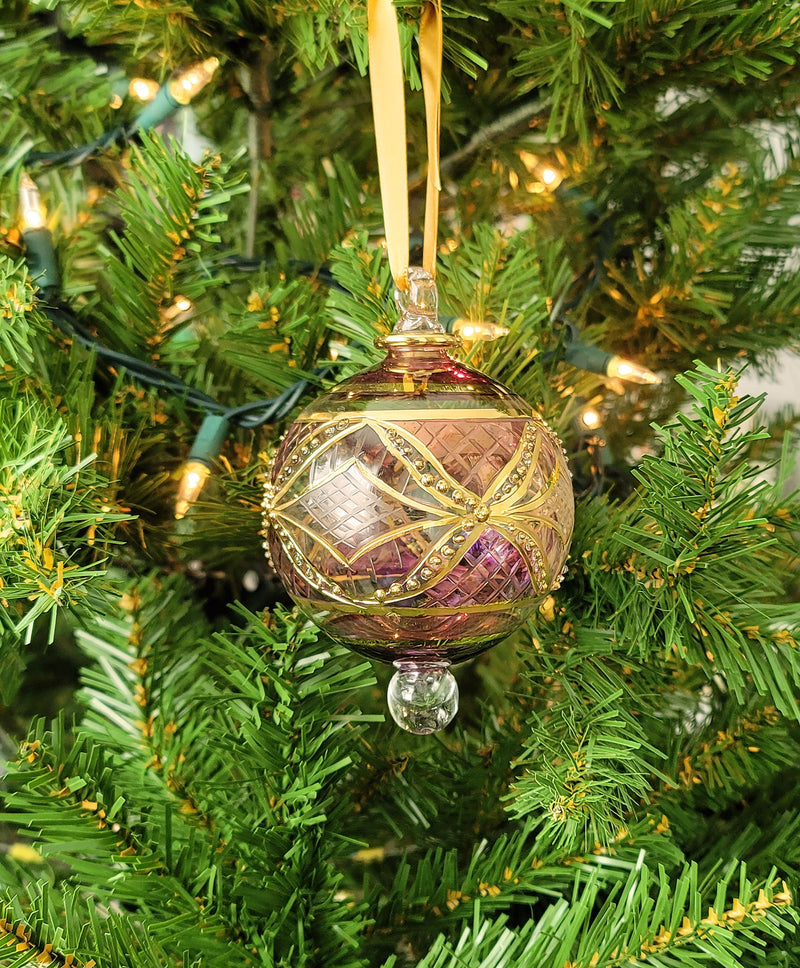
[(622, 785)]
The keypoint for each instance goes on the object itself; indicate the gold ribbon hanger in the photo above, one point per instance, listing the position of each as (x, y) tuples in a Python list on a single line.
[(389, 112)]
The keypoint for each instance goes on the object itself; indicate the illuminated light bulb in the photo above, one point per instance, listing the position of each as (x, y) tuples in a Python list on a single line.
[(337, 349), (471, 331), (184, 87), (195, 474), (205, 449), (143, 89), (40, 250), (630, 371), (32, 213), (590, 418), (32, 219), (116, 102), (179, 306), (546, 176)]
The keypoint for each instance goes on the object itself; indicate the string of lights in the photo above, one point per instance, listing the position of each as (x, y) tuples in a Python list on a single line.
[(162, 101), (42, 266), (167, 99), (218, 419)]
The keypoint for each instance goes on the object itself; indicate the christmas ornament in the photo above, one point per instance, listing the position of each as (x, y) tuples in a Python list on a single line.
[(419, 511)]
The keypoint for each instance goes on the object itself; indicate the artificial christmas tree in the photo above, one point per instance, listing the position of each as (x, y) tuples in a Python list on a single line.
[(221, 786)]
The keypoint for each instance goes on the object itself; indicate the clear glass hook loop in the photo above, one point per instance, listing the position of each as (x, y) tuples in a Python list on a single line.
[(418, 305)]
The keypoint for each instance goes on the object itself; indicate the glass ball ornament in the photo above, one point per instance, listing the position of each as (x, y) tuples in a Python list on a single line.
[(419, 512)]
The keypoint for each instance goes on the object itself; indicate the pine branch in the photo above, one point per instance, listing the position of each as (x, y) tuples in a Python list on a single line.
[(140, 274), (287, 717), (64, 928), (649, 920), (361, 310), (52, 509), (48, 86), (319, 219), (106, 845), (729, 761), (582, 56), (511, 282), (523, 868), (16, 321), (280, 320), (698, 536), (240, 830), (588, 759)]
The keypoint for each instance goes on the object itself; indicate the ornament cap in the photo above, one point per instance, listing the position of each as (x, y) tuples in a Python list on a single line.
[(422, 696)]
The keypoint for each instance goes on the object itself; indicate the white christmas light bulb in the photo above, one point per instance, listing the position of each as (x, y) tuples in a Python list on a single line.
[(30, 203), (630, 371), (184, 87), (143, 89), (590, 418), (195, 474), (471, 331)]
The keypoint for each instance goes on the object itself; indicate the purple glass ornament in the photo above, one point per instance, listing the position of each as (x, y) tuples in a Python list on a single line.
[(419, 512)]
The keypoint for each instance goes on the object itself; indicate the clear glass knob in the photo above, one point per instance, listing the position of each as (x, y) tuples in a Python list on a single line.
[(422, 696)]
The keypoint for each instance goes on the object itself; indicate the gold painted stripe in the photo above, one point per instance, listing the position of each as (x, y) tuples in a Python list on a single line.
[(423, 451), (403, 499), (443, 572), (342, 469), (510, 467), (509, 531), (429, 611), (398, 415), (398, 532), (313, 453), (282, 518)]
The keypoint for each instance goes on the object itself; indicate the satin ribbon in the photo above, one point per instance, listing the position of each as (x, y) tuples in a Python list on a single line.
[(389, 112)]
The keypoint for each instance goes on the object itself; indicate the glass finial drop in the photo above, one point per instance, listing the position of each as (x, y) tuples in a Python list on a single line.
[(422, 696)]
